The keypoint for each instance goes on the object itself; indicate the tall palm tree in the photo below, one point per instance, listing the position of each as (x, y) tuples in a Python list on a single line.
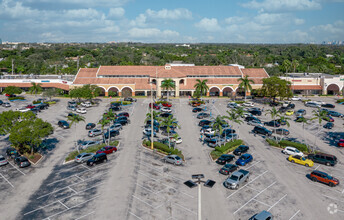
[(218, 123), (295, 64), (201, 86), (168, 122), (103, 122), (75, 119), (304, 121), (168, 85), (273, 114), (245, 83), (155, 116), (319, 115), (235, 116), (110, 116), (284, 118), (35, 88)]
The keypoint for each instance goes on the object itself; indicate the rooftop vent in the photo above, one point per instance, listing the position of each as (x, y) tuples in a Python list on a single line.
[(167, 67)]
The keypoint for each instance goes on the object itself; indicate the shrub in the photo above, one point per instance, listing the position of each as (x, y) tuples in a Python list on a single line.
[(92, 149), (299, 146), (163, 148), (239, 102), (16, 98), (36, 102), (122, 102), (50, 102), (340, 100), (229, 146), (272, 142)]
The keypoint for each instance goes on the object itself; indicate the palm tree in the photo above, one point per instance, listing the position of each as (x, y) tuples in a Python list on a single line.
[(284, 118), (201, 86), (35, 88), (304, 121), (217, 125), (103, 122), (155, 116), (295, 64), (273, 114), (75, 119), (110, 116), (235, 116), (168, 85), (245, 83), (319, 115), (168, 122), (286, 65)]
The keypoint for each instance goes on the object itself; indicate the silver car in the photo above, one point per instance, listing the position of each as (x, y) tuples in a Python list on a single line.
[(116, 126), (83, 157), (255, 123), (174, 159), (3, 161), (7, 104), (94, 132), (86, 144)]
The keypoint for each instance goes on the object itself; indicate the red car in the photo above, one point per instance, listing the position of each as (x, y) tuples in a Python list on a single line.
[(107, 150), (30, 106), (341, 143), (155, 106), (126, 114), (167, 105)]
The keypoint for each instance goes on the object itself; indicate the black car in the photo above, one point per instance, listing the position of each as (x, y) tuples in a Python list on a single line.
[(329, 125), (63, 124), (42, 106), (122, 122), (113, 133), (261, 130), (204, 122), (155, 123), (225, 158), (115, 108), (197, 109), (90, 126), (126, 114), (165, 115), (1, 102), (130, 99), (282, 121), (256, 112), (35, 110), (240, 150), (251, 118), (274, 104), (72, 114), (272, 123), (283, 109), (22, 162), (122, 118), (202, 115), (227, 132), (228, 168), (322, 158), (327, 105), (96, 159), (12, 153)]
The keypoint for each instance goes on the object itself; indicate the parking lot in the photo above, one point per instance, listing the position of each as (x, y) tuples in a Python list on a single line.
[(136, 184)]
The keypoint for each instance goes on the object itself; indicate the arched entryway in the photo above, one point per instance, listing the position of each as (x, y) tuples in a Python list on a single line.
[(101, 91), (127, 92), (240, 92), (113, 91), (214, 91), (332, 89), (227, 91)]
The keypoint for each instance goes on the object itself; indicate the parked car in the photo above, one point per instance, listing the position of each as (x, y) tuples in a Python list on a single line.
[(261, 130), (327, 159), (23, 109), (86, 144), (3, 161), (228, 168), (86, 104), (327, 105), (177, 140), (115, 108), (289, 112), (148, 132), (340, 143), (263, 215), (300, 112), (71, 114), (328, 118), (174, 159), (244, 159), (89, 126), (81, 110), (328, 125), (94, 132), (322, 177), (281, 131), (274, 104), (202, 115), (248, 104), (292, 151), (30, 106), (272, 124), (7, 104), (237, 179), (335, 114), (22, 161), (166, 115), (72, 103), (12, 153), (83, 157), (204, 122), (96, 159), (126, 114), (155, 106), (130, 99), (300, 160), (232, 105), (281, 121), (255, 123), (63, 124), (228, 132), (113, 133), (197, 109), (251, 118), (166, 104), (116, 126), (225, 158), (107, 150), (296, 98), (240, 150), (255, 112), (166, 109)]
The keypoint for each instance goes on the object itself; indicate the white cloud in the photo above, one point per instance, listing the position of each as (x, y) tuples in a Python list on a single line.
[(116, 12), (208, 24), (140, 21), (283, 5), (337, 28), (175, 14), (235, 20), (266, 18), (139, 33), (299, 21)]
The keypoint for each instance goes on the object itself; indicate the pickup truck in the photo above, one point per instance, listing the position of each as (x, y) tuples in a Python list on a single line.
[(236, 179)]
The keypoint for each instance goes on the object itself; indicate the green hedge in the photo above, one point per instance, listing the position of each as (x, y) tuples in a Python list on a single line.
[(224, 149), (16, 98), (283, 143), (239, 102), (122, 102), (272, 142), (163, 148), (340, 100), (162, 102), (92, 149)]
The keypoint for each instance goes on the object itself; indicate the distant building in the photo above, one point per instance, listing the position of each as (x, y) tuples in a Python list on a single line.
[(237, 65), (0, 41)]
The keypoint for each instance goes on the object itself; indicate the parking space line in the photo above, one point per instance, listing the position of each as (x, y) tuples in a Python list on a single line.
[(84, 215), (325, 187), (135, 215), (148, 176), (73, 190), (294, 215), (254, 197), (317, 167), (79, 178), (63, 204), (6, 180), (145, 188), (16, 168), (85, 166), (277, 202), (142, 201), (252, 188), (247, 184), (332, 198), (159, 171), (261, 202), (186, 209), (253, 165)]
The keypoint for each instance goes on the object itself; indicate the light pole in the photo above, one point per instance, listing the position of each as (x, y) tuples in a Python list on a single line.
[(152, 123), (209, 183)]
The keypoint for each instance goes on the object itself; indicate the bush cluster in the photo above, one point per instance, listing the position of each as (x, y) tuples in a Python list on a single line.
[(16, 98), (122, 102), (164, 148), (92, 149), (340, 100), (284, 143), (224, 149), (162, 102)]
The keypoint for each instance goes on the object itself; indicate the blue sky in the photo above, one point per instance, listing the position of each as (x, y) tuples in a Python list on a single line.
[(173, 21)]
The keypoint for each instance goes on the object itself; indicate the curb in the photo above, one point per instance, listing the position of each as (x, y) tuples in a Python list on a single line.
[(157, 152), (34, 164)]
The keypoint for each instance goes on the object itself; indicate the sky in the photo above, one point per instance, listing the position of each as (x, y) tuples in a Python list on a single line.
[(172, 21)]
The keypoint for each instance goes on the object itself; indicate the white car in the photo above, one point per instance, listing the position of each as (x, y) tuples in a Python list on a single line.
[(246, 114), (86, 104), (166, 109), (320, 102), (296, 98), (232, 105), (286, 104), (7, 104), (248, 104), (178, 141), (81, 110), (292, 151), (23, 109), (116, 126), (209, 131)]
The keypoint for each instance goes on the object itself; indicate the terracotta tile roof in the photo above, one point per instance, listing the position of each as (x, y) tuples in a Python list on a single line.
[(87, 72), (306, 87), (255, 72), (44, 85), (190, 82)]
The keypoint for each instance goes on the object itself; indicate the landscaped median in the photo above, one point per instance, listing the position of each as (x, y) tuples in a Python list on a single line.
[(122, 102), (284, 143), (226, 148), (93, 149), (163, 148)]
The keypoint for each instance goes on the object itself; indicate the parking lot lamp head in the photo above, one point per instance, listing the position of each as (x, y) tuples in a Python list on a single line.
[(152, 122)]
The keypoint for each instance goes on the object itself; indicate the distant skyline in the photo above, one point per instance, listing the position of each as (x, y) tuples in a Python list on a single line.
[(158, 21)]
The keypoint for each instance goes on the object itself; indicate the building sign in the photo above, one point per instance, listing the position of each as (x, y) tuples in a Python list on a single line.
[(297, 80), (45, 81)]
